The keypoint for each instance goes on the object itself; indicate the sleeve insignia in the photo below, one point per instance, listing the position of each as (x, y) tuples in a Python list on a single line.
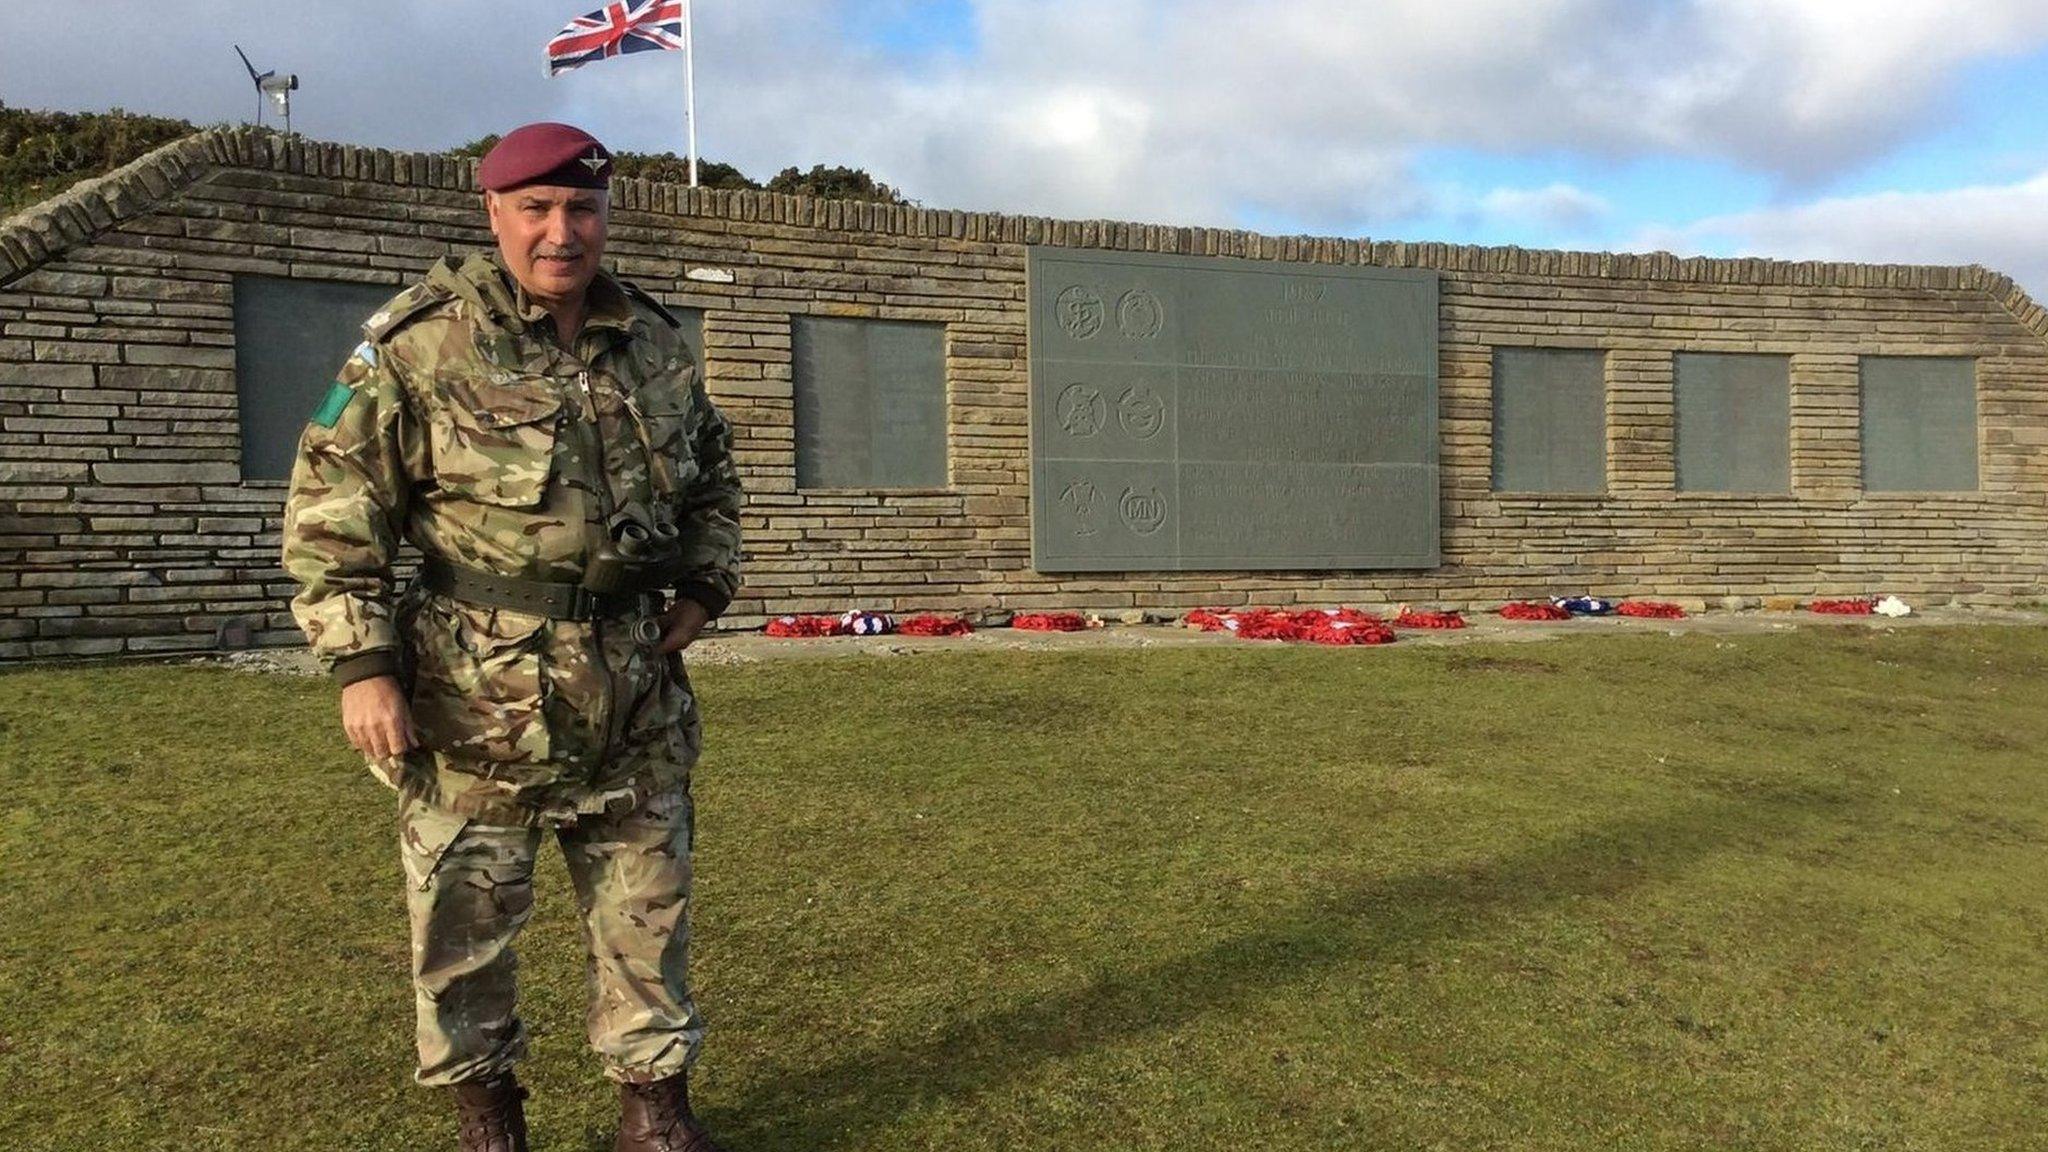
[(338, 396)]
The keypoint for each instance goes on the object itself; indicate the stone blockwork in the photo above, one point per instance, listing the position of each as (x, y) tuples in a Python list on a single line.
[(126, 528)]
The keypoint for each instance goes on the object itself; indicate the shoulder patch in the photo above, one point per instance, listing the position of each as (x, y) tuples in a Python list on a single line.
[(401, 310), (331, 408), (640, 294)]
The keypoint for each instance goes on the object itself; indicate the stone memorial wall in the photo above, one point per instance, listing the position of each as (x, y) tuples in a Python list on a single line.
[(1308, 421)]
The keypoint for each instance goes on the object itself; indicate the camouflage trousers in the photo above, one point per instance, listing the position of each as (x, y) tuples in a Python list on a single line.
[(470, 891)]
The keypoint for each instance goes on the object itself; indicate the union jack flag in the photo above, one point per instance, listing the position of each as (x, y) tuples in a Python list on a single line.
[(630, 26)]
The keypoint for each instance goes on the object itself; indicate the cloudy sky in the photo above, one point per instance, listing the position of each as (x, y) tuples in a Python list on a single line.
[(1882, 130)]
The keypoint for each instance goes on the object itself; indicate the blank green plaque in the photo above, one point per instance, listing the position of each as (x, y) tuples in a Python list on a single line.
[(1202, 413)]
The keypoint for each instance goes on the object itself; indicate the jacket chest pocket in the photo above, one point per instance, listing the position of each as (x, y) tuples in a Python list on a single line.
[(667, 424), (494, 442)]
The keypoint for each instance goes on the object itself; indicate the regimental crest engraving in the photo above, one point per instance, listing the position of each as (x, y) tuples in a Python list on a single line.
[(1144, 512), (1141, 412), (1140, 315), (1079, 311), (1082, 410), (1081, 497)]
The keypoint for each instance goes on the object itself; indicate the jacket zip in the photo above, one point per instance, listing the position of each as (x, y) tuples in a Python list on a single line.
[(604, 504)]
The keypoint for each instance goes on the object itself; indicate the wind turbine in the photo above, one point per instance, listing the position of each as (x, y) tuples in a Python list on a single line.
[(278, 88)]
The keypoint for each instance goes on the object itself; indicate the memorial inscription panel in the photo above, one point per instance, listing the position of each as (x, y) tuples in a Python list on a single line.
[(1203, 413)]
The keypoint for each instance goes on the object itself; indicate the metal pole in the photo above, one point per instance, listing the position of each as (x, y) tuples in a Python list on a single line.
[(690, 86)]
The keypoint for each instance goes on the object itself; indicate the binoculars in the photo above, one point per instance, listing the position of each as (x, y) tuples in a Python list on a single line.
[(639, 555)]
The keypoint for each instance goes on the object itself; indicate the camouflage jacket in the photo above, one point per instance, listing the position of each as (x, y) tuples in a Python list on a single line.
[(461, 425)]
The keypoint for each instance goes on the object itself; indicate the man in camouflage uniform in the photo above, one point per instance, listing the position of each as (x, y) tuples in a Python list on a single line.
[(538, 429)]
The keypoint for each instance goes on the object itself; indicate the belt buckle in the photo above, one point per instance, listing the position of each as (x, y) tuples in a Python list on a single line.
[(583, 603)]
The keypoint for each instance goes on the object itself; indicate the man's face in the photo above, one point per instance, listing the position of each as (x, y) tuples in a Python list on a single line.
[(551, 238)]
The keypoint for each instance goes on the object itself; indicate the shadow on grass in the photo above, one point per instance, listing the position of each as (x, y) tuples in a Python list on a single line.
[(828, 1105)]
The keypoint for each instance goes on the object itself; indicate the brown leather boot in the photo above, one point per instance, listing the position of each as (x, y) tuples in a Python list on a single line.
[(656, 1118), (493, 1119)]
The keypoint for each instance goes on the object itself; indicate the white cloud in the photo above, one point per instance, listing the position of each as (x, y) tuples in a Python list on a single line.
[(1183, 111), (1193, 111), (1558, 207), (1999, 226), (1806, 87)]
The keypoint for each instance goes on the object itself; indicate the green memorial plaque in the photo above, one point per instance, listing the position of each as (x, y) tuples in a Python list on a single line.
[(1919, 424), (1549, 420), (291, 337), (870, 403), (1201, 413), (1734, 417)]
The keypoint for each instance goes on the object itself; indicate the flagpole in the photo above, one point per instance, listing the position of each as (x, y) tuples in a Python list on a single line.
[(690, 86)]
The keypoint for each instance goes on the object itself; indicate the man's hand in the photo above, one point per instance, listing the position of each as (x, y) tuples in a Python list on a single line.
[(377, 718), (680, 625)]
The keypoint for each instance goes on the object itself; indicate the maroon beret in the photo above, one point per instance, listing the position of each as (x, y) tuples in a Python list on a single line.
[(546, 153)]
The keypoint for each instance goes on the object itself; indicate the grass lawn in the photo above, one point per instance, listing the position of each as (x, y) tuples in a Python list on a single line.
[(1774, 892)]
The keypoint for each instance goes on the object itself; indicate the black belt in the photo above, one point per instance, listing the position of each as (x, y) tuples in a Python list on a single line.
[(537, 597)]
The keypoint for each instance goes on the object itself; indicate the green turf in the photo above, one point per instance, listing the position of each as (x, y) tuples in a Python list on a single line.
[(1771, 892)]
